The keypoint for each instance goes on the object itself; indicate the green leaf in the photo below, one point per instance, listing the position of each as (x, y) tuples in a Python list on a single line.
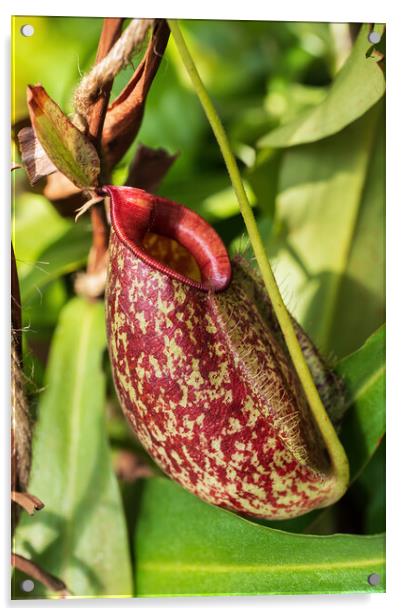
[(69, 149), (263, 179), (364, 424), (373, 485), (65, 255), (330, 213), (36, 225), (80, 536), (185, 547), (39, 318), (286, 101), (41, 313), (301, 524), (358, 86)]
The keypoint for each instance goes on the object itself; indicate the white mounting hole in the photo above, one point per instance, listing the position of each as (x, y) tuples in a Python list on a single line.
[(27, 585), (374, 579), (27, 30), (374, 37)]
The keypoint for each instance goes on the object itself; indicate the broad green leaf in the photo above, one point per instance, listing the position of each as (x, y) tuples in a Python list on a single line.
[(36, 225), (330, 213), (300, 524), (65, 255), (263, 179), (69, 149), (185, 547), (372, 487), (41, 313), (286, 101), (39, 318), (358, 86), (80, 536), (364, 425)]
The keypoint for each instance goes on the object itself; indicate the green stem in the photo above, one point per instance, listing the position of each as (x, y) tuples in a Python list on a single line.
[(338, 457)]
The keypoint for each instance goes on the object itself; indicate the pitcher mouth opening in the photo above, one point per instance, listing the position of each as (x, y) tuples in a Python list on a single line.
[(170, 237), (171, 254)]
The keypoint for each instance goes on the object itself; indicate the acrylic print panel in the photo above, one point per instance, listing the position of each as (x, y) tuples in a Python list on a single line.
[(175, 431)]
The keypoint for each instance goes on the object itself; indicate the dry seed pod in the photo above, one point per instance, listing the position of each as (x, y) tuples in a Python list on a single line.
[(201, 369)]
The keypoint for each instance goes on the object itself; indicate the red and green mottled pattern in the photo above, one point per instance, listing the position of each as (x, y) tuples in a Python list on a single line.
[(210, 391)]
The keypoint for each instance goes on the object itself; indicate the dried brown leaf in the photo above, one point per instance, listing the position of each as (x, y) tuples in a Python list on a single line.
[(36, 162), (149, 167), (124, 115)]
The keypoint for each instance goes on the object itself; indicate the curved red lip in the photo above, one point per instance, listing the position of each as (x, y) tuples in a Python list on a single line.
[(135, 212)]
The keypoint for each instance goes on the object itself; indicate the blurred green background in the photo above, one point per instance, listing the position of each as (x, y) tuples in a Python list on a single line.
[(305, 119)]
